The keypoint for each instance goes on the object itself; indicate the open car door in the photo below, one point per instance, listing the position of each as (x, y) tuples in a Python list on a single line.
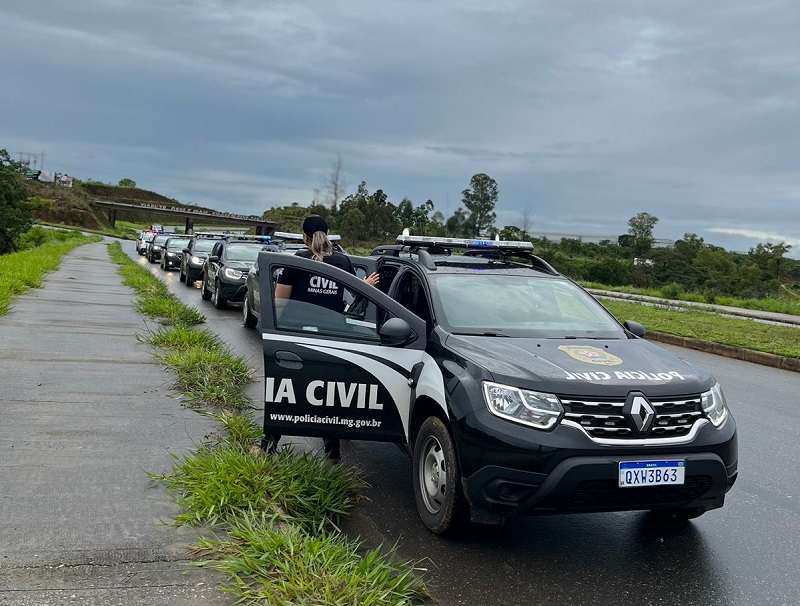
[(348, 373)]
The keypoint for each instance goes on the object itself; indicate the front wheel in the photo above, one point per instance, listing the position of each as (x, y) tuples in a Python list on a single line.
[(248, 318), (204, 292), (220, 302), (437, 479)]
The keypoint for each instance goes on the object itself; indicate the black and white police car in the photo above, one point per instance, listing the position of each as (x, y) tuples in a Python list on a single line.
[(514, 390)]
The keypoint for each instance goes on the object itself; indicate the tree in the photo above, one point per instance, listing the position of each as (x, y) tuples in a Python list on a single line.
[(333, 183), (127, 183), (367, 219), (460, 225), (415, 218), (768, 256), (480, 200), (640, 227), (16, 216)]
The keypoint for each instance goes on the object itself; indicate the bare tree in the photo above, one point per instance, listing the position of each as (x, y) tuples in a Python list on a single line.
[(525, 220), (334, 184)]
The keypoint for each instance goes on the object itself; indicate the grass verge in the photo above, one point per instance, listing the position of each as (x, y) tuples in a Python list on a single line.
[(789, 303), (275, 516), (706, 326)]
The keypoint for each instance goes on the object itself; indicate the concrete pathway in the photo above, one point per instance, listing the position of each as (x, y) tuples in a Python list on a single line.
[(86, 414)]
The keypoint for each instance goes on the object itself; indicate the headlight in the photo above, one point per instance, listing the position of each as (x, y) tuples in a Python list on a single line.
[(169, 254), (534, 408), (156, 248), (233, 274), (196, 260), (714, 405)]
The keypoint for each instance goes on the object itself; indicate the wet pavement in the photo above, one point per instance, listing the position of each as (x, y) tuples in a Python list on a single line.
[(87, 413)]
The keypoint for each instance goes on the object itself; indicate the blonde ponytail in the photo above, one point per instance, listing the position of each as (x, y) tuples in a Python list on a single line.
[(320, 246)]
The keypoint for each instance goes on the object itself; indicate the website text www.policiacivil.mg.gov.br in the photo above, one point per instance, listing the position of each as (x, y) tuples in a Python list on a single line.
[(317, 420)]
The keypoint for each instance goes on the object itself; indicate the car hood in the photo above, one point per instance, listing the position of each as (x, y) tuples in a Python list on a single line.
[(605, 368)]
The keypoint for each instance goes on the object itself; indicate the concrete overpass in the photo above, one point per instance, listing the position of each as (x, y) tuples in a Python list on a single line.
[(190, 217)]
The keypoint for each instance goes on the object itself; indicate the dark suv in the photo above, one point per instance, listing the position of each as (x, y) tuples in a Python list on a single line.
[(194, 256), (514, 390), (172, 252), (155, 247), (225, 269)]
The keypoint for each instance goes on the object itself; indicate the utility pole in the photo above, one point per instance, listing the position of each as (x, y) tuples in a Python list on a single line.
[(30, 155)]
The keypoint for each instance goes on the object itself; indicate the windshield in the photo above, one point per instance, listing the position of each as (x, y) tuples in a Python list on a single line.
[(177, 244), (243, 252), (520, 305), (204, 245)]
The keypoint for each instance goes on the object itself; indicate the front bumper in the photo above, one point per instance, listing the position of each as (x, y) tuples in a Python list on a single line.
[(172, 262), (509, 469), (232, 291)]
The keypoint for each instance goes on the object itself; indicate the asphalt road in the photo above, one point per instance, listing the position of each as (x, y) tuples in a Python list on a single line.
[(747, 553)]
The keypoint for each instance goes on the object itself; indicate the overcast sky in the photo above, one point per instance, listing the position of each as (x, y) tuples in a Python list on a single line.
[(585, 112)]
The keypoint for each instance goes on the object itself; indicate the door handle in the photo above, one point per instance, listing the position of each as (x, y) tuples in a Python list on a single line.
[(288, 359)]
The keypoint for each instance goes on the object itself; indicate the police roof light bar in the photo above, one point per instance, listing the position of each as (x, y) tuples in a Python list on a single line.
[(468, 243)]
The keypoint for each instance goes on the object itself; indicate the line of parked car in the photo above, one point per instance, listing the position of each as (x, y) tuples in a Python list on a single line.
[(221, 262)]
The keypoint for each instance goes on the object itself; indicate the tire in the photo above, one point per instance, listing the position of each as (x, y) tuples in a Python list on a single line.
[(181, 275), (204, 292), (220, 302), (437, 479), (248, 319), (188, 281), (676, 515)]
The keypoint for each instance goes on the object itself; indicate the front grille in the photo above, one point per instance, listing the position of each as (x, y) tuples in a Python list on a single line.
[(604, 418), (591, 494)]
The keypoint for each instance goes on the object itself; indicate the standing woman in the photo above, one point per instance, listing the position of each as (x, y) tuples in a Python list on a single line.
[(295, 285)]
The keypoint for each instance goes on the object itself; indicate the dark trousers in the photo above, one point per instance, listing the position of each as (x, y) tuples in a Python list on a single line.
[(270, 444)]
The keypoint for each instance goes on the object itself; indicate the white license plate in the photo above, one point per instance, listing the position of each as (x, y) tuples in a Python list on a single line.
[(633, 474)]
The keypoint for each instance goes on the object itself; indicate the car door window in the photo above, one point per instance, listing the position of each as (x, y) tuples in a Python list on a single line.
[(352, 318)]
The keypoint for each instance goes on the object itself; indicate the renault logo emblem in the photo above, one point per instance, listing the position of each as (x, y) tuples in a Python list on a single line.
[(641, 413)]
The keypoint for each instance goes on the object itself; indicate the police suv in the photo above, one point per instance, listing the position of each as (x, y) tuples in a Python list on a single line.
[(513, 390)]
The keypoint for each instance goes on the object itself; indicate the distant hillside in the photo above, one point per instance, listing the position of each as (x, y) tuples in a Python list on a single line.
[(71, 205), (132, 195)]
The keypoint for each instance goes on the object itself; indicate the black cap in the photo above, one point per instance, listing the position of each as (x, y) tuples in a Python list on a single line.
[(313, 224)]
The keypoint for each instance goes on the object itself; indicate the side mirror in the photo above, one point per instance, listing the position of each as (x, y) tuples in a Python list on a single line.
[(395, 332), (635, 328), (186, 250), (213, 258)]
